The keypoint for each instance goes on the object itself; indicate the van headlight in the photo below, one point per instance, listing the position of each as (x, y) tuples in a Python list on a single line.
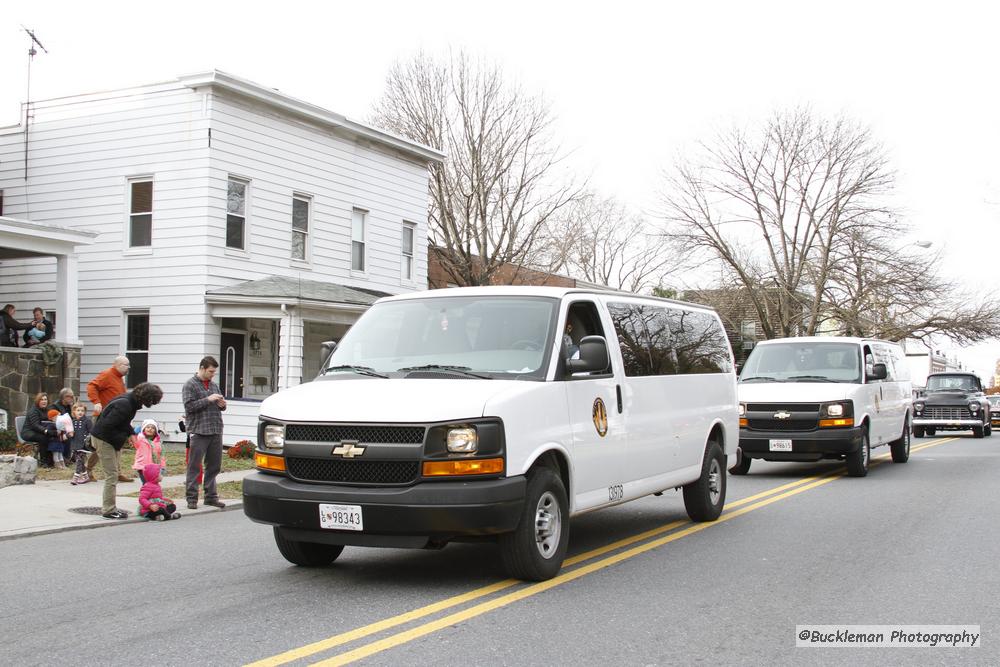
[(274, 436), (463, 440), (837, 409), (743, 409)]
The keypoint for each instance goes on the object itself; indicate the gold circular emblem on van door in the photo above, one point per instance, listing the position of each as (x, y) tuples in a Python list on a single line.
[(600, 417)]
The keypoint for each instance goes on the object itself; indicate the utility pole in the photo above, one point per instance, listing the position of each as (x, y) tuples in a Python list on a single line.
[(27, 104)]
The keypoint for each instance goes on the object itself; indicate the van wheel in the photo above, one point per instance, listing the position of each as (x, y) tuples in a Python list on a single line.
[(306, 554), (742, 466), (977, 431), (705, 498), (918, 431), (901, 448), (857, 461), (535, 550)]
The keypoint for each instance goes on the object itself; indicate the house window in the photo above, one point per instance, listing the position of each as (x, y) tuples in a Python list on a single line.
[(140, 219), (300, 226), (358, 240), (748, 329), (406, 267), (1, 202), (236, 213), (137, 347)]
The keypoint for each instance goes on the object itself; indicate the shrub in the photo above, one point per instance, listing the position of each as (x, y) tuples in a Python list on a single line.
[(8, 440), (243, 449)]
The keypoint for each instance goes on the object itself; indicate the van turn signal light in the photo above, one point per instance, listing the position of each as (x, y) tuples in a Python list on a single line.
[(268, 462), (463, 467)]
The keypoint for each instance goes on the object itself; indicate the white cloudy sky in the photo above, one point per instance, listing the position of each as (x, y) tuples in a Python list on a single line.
[(632, 86)]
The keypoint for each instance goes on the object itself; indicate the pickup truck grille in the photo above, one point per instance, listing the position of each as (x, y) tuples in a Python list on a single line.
[(946, 412), (353, 472)]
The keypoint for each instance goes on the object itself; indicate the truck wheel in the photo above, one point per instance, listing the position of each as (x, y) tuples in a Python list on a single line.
[(931, 431), (901, 448), (857, 461), (704, 498), (742, 466), (306, 554), (977, 431), (988, 429), (535, 550), (918, 431)]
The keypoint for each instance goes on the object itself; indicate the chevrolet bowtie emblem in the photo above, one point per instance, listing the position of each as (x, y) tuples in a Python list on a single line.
[(782, 415), (348, 450)]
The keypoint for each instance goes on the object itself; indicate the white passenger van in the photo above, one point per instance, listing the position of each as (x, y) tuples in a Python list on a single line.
[(806, 399), (496, 413)]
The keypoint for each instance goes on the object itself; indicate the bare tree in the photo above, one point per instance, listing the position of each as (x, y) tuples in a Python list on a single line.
[(602, 242), (492, 196), (769, 207), (794, 216)]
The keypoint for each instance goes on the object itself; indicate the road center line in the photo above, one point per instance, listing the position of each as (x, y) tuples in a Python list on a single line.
[(803, 484)]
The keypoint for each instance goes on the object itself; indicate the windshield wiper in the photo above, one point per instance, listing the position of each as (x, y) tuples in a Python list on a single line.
[(464, 370), (810, 377), (360, 370), (762, 378)]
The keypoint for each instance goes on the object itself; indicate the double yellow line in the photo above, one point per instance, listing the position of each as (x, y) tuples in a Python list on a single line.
[(733, 510)]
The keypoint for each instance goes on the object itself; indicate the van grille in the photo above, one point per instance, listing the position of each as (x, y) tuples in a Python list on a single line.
[(361, 433), (353, 472), (782, 424)]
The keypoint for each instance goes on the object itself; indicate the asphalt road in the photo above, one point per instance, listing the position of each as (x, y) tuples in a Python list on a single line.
[(912, 544)]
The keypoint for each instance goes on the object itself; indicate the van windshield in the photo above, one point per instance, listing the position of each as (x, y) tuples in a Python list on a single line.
[(803, 362), (464, 336)]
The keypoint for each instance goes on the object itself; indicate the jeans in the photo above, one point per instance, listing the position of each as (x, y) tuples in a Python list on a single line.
[(110, 462), (209, 448)]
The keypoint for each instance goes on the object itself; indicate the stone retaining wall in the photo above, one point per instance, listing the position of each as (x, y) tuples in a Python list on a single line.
[(23, 373), (17, 470)]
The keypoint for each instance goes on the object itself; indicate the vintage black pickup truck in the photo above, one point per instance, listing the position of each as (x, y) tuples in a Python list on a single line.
[(952, 401)]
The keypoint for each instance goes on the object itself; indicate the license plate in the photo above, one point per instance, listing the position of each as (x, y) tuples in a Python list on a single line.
[(781, 445), (340, 517)]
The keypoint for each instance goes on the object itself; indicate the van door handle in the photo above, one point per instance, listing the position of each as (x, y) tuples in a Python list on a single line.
[(618, 390)]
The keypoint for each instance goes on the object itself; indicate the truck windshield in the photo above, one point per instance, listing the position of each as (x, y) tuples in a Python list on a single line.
[(464, 336), (803, 362), (952, 382)]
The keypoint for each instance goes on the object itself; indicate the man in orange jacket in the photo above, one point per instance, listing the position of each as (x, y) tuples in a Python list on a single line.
[(106, 385)]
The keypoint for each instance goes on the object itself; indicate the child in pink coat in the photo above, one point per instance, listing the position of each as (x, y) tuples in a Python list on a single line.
[(149, 449), (152, 504)]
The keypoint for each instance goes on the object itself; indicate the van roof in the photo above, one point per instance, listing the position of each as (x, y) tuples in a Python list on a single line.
[(531, 290), (825, 339)]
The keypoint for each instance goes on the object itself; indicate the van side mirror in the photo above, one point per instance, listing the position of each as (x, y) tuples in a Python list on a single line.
[(593, 356), (326, 349), (878, 372)]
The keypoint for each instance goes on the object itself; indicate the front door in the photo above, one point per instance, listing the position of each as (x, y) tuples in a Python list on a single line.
[(231, 364)]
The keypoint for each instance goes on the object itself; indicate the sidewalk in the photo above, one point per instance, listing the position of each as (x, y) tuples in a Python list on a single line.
[(44, 507)]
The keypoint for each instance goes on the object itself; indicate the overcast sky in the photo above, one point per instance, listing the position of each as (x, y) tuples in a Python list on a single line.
[(632, 87)]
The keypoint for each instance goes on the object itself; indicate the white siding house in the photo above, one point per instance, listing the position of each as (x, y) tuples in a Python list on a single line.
[(231, 220)]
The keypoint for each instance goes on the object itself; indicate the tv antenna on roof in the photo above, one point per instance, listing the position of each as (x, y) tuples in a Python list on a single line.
[(27, 103)]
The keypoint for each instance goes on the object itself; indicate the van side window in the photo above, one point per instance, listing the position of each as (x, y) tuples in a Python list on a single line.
[(701, 344), (869, 361), (582, 320), (884, 356), (899, 363), (644, 338)]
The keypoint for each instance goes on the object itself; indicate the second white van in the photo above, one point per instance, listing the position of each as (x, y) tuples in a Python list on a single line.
[(806, 399)]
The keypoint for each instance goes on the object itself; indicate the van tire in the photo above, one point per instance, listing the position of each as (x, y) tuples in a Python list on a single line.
[(901, 448), (527, 552), (705, 498), (306, 554), (857, 461), (742, 465)]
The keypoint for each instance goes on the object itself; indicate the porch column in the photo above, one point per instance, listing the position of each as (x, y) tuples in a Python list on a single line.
[(67, 299), (290, 349)]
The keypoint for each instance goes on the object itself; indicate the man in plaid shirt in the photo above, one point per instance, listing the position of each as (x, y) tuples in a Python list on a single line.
[(203, 406)]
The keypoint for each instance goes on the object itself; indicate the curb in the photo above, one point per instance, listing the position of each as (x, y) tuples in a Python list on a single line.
[(107, 523)]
